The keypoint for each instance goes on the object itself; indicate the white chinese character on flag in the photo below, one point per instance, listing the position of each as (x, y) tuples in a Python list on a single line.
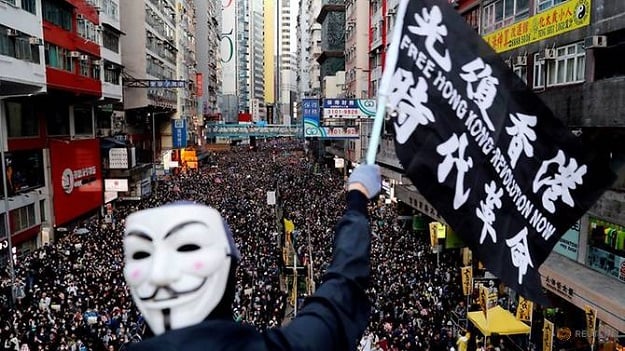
[(484, 93), (430, 26), (411, 111), (454, 145), (558, 185)]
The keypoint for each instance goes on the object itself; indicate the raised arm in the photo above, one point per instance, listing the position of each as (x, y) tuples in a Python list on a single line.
[(335, 317)]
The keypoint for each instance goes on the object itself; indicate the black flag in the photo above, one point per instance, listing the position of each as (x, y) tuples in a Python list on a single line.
[(482, 148)]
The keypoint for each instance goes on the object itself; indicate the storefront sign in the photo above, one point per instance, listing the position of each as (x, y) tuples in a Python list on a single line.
[(560, 19), (349, 108), (179, 133), (115, 185), (109, 196), (76, 178), (559, 287), (118, 158), (569, 242)]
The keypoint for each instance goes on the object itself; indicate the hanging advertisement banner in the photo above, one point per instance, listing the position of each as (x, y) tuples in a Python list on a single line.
[(467, 276), (547, 335), (524, 310), (76, 178)]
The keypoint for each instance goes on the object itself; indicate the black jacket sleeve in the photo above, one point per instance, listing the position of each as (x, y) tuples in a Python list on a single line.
[(336, 315)]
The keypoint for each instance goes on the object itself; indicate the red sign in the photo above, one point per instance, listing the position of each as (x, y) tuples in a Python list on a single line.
[(76, 178), (245, 117), (199, 82)]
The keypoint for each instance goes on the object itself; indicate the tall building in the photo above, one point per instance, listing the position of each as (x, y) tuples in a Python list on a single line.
[(149, 47), (22, 79), (257, 66), (227, 97), (311, 85), (208, 30), (111, 62), (186, 67), (332, 18), (243, 55), (357, 72), (380, 12), (287, 45)]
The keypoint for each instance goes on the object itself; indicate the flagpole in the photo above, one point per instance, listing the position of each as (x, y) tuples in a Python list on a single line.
[(376, 131), (389, 68)]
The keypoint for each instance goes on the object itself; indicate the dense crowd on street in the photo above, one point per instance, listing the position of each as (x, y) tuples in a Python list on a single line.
[(71, 294)]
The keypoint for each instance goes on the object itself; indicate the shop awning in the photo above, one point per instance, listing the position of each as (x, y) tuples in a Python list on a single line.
[(500, 321)]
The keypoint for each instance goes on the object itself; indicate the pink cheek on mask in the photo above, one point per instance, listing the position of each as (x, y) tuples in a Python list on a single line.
[(136, 274), (198, 265)]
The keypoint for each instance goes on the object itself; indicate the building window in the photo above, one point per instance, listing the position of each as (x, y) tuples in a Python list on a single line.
[(521, 71), (17, 45), (56, 14), (22, 218), (3, 232), (542, 5), (95, 71), (21, 120), (111, 41), (30, 6), (84, 68), (501, 13), (42, 210), (86, 29), (606, 251), (567, 68), (539, 71), (58, 120), (83, 120), (25, 171), (111, 75), (473, 18), (58, 57)]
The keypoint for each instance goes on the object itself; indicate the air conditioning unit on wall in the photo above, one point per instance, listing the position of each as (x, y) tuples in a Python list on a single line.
[(596, 41), (549, 54), (520, 60)]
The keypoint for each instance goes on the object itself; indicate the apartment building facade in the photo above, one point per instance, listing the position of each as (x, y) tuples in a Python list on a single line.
[(51, 59), (208, 31)]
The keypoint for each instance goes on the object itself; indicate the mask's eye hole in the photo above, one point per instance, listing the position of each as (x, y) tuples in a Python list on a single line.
[(188, 248), (139, 255)]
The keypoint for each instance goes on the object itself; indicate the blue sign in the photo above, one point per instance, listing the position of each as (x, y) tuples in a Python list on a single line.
[(311, 110), (179, 133)]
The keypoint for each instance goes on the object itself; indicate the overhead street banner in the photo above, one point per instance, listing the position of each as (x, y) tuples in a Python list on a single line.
[(568, 16)]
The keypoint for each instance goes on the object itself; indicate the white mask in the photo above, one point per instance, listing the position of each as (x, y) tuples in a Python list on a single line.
[(177, 263)]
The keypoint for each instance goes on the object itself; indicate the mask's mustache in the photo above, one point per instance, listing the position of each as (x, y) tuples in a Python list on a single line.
[(173, 294)]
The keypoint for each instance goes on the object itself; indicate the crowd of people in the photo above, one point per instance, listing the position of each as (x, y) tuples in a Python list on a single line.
[(71, 294)]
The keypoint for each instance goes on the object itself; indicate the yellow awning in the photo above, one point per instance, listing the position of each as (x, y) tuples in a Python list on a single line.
[(500, 321)]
